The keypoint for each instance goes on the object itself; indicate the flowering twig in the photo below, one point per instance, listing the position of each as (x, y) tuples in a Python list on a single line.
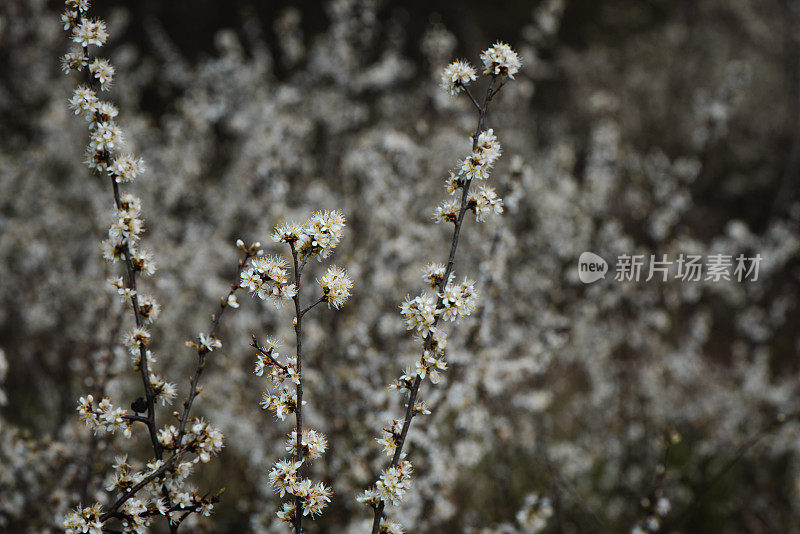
[(298, 329), (203, 440), (453, 300), (104, 137), (268, 355), (267, 278), (204, 347)]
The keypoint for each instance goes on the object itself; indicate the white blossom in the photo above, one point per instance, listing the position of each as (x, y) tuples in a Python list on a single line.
[(456, 76), (500, 60)]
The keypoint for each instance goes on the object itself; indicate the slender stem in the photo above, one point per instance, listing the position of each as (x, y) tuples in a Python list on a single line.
[(201, 363), (298, 330), (131, 271), (469, 94), (412, 395), (150, 419), (202, 351), (307, 309), (135, 489), (136, 418), (143, 363), (268, 355)]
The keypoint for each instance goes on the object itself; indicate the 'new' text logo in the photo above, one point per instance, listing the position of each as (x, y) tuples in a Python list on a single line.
[(591, 267)]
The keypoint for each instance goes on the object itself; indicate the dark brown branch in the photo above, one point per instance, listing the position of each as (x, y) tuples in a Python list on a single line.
[(202, 351), (135, 489), (143, 363), (268, 355), (136, 418), (412, 395), (298, 330), (469, 94), (307, 309)]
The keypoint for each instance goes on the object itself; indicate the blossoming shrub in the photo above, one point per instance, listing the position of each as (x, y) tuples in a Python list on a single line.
[(607, 407)]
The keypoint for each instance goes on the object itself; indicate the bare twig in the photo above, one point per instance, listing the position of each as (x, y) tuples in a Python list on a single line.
[(202, 351), (307, 309)]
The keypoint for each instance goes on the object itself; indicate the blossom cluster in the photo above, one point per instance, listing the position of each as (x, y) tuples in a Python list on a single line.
[(282, 379), (452, 301), (336, 286), (317, 237), (163, 482), (499, 60), (103, 417), (85, 520), (482, 202), (266, 278)]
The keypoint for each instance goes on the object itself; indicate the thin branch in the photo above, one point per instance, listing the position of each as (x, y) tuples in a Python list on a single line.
[(136, 418), (135, 489), (412, 395), (268, 355), (307, 309), (131, 271), (169, 462), (469, 94), (202, 351), (143, 363), (298, 330)]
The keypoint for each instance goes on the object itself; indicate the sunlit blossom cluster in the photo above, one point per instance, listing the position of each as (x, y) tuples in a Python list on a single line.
[(317, 237), (336, 286), (456, 76), (500, 60)]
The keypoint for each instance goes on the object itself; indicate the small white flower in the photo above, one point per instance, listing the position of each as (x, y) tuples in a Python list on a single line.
[(484, 202), (73, 60), (433, 274), (90, 32), (500, 60), (126, 167), (83, 100), (321, 233), (459, 300), (419, 313), (456, 76), (103, 71), (209, 342), (336, 286), (106, 135)]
